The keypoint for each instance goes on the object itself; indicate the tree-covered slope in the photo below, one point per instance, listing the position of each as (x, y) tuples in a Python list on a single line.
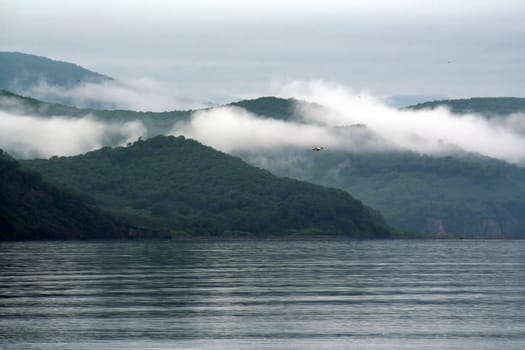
[(181, 185), (459, 196), (20, 71), (487, 106), (271, 107), (32, 209), (423, 194)]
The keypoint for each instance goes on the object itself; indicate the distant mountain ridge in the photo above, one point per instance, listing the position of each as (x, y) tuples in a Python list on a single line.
[(401, 101), (269, 106), (20, 71), (486, 106), (25, 105)]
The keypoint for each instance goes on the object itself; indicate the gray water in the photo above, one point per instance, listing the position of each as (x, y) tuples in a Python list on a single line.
[(263, 295)]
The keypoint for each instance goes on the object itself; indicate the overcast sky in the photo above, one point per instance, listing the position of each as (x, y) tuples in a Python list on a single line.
[(457, 48)]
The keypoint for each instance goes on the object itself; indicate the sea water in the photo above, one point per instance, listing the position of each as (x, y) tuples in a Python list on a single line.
[(263, 294)]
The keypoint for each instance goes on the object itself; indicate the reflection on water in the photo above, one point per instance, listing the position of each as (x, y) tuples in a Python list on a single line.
[(263, 295)]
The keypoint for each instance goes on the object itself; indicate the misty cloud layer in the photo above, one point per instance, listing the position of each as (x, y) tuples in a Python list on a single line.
[(358, 121), (425, 131), (233, 128), (338, 119), (34, 137), (137, 95)]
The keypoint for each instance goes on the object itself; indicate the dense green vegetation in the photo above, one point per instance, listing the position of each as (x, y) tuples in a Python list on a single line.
[(271, 107), (461, 196), (32, 209), (181, 185), (19, 71), (494, 106)]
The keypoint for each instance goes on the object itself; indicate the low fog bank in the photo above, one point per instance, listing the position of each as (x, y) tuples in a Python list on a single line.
[(138, 95), (358, 122), (337, 119), (231, 129), (33, 137)]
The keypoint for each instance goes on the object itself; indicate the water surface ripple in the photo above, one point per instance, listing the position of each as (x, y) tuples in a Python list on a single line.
[(263, 295)]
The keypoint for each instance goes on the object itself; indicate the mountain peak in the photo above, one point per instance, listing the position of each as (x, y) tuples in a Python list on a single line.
[(20, 71)]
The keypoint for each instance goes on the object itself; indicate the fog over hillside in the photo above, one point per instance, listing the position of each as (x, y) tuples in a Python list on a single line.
[(68, 83), (358, 121), (138, 95), (339, 119), (34, 137)]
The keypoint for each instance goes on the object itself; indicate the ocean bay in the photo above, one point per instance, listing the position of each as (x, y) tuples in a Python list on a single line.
[(263, 294)]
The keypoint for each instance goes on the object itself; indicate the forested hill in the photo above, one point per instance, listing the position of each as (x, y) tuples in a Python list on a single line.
[(468, 196), (19, 71), (487, 106), (459, 195), (23, 105), (32, 209), (271, 107), (181, 185)]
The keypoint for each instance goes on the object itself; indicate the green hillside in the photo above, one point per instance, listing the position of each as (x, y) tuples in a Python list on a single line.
[(181, 185), (19, 71), (32, 209), (271, 107), (458, 196), (487, 106)]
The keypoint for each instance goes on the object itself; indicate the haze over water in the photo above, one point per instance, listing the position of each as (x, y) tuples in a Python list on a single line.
[(263, 295)]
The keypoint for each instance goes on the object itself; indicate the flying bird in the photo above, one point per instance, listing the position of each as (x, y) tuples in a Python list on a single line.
[(317, 148)]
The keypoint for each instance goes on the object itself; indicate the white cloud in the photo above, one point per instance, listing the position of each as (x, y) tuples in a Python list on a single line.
[(426, 131), (340, 127), (232, 128), (137, 95), (396, 47), (337, 126), (31, 137)]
